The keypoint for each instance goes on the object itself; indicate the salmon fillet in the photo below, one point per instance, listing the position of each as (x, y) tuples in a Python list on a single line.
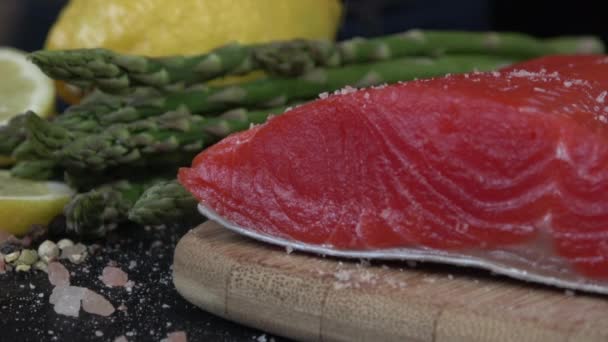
[(506, 170)]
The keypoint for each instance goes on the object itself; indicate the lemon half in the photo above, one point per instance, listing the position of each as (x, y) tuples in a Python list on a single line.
[(25, 202), (23, 86), (161, 28)]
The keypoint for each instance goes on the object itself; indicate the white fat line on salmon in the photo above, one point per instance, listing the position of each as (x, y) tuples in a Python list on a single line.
[(416, 254)]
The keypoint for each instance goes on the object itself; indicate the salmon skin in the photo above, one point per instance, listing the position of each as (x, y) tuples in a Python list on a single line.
[(504, 170)]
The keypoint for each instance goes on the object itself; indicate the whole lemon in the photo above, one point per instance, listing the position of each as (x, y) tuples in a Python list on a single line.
[(161, 27)]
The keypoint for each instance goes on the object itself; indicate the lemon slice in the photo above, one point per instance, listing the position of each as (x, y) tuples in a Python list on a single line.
[(23, 86), (24, 202)]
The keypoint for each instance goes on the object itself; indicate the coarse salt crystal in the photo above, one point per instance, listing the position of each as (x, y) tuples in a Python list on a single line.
[(66, 300), (97, 304), (114, 276), (176, 336), (346, 90), (121, 338), (601, 97), (58, 274)]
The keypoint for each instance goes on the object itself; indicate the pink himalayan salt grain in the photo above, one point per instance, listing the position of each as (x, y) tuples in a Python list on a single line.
[(97, 304), (114, 276), (58, 274), (176, 336)]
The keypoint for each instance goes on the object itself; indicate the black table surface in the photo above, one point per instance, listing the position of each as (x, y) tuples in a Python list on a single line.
[(154, 307)]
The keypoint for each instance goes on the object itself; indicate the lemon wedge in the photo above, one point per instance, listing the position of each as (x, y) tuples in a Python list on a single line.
[(23, 86), (25, 202)]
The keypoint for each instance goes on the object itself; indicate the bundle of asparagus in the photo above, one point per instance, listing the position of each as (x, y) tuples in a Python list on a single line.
[(149, 116)]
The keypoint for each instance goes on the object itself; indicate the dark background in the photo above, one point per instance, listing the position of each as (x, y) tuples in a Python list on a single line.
[(25, 23)]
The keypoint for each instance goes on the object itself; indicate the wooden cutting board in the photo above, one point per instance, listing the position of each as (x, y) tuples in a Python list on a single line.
[(311, 298)]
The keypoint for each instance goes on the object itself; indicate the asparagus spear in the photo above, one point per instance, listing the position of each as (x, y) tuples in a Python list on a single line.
[(272, 92), (113, 72), (163, 203), (35, 169), (171, 139), (91, 115), (12, 134), (93, 214)]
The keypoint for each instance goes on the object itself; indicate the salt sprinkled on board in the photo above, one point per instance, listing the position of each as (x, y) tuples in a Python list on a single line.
[(121, 338), (98, 333), (343, 275), (288, 249), (97, 304), (58, 274), (429, 280), (114, 276)]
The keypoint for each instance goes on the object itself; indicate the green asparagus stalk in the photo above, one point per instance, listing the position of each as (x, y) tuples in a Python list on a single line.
[(95, 213), (91, 115), (169, 139), (163, 203), (87, 180), (12, 134), (272, 92), (39, 169), (116, 73)]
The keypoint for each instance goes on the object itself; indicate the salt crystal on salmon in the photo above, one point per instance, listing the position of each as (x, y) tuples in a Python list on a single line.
[(503, 170)]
